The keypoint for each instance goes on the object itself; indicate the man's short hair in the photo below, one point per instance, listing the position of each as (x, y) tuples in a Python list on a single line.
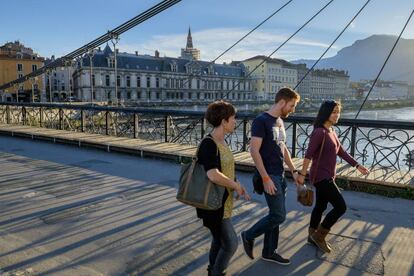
[(287, 94)]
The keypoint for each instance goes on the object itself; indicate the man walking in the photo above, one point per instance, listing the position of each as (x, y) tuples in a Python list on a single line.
[(268, 150)]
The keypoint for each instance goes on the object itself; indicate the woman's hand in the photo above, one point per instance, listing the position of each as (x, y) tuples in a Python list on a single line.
[(241, 192), (362, 169), (246, 194), (300, 180)]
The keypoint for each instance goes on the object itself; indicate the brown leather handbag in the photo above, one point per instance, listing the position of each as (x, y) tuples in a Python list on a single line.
[(305, 195)]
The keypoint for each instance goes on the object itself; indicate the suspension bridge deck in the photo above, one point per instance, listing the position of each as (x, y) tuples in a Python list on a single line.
[(384, 177)]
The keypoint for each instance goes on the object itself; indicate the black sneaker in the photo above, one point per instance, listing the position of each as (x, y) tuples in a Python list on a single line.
[(276, 258), (247, 245)]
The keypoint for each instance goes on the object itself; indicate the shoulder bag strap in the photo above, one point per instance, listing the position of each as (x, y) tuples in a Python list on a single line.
[(198, 148), (319, 157)]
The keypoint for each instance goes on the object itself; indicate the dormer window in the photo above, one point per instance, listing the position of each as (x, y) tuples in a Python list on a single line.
[(111, 62), (174, 67)]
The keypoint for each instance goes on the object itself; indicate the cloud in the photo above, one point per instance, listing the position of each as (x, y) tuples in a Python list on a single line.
[(212, 42)]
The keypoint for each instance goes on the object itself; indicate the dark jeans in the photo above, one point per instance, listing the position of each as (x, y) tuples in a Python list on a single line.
[(327, 191), (269, 225), (223, 247)]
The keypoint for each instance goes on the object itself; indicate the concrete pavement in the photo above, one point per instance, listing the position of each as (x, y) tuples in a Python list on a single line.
[(67, 211)]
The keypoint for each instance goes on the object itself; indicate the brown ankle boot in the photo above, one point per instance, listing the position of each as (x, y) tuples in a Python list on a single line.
[(310, 241), (319, 238), (311, 231)]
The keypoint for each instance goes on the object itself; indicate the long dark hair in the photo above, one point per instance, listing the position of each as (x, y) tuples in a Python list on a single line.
[(324, 112)]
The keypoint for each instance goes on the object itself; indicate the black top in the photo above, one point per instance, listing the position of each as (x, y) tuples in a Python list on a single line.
[(209, 156)]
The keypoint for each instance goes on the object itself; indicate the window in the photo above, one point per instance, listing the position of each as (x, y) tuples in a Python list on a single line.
[(148, 81), (138, 81), (167, 83), (189, 83), (118, 81), (20, 76), (128, 95), (157, 82), (93, 80), (19, 67), (174, 67), (63, 86), (128, 81), (111, 63), (107, 80), (34, 67), (198, 85)]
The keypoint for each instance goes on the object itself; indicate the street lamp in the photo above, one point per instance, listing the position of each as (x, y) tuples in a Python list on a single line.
[(115, 39), (91, 53), (49, 73), (33, 81)]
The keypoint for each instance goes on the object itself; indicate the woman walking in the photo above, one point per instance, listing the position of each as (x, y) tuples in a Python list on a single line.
[(324, 147), (218, 161)]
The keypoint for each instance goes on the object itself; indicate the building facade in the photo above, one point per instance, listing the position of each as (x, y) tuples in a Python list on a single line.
[(59, 83), (152, 78), (16, 61), (387, 90), (323, 84), (271, 75)]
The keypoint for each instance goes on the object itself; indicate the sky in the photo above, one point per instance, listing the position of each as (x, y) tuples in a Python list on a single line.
[(53, 27)]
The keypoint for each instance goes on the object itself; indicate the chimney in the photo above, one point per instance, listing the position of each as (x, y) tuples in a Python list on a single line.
[(99, 49), (157, 54), (117, 51), (136, 53)]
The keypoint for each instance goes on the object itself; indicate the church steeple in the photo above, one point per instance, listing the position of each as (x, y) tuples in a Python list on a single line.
[(189, 52), (189, 40)]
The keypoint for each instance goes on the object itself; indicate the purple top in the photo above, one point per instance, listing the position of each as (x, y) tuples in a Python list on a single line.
[(327, 163)]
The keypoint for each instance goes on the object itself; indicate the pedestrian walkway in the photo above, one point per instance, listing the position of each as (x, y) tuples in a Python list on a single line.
[(66, 211), (378, 176)]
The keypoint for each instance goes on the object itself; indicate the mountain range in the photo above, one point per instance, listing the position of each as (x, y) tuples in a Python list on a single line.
[(364, 58)]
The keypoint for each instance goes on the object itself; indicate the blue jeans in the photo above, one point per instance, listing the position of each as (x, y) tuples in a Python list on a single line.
[(223, 247), (269, 225)]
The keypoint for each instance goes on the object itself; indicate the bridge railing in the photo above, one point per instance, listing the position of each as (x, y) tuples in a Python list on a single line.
[(371, 142)]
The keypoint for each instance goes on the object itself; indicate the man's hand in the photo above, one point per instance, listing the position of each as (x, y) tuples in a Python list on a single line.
[(295, 177), (269, 186)]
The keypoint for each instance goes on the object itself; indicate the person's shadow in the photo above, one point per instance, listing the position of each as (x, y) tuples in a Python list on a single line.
[(303, 262)]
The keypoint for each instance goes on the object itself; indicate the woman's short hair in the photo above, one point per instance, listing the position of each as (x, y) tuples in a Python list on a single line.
[(217, 111), (325, 111)]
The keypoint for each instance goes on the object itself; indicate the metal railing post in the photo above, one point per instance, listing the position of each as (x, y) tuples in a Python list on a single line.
[(41, 117), (23, 115), (353, 140), (244, 148), (294, 134), (7, 114), (107, 122), (135, 125), (82, 120), (60, 118)]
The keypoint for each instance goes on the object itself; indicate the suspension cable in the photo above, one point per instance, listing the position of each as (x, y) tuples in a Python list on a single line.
[(242, 38), (280, 46), (385, 62), (97, 42), (333, 42), (379, 73)]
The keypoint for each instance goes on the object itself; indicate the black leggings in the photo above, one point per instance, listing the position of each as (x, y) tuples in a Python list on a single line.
[(327, 191)]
